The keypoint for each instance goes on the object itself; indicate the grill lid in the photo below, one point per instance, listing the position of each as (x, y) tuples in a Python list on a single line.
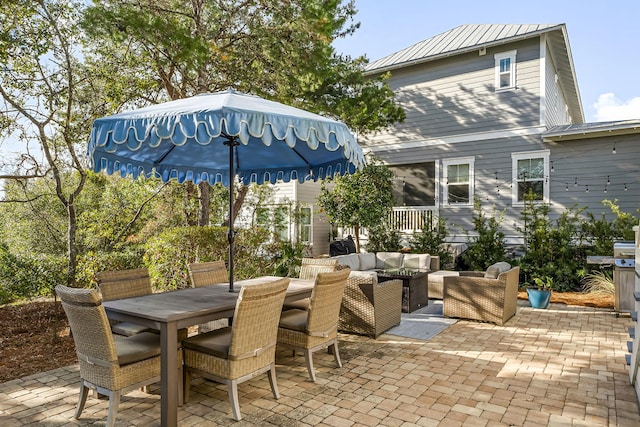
[(626, 250)]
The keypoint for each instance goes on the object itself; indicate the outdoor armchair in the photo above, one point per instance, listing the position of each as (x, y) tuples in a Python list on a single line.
[(472, 295), (369, 307), (244, 350), (316, 327), (109, 366)]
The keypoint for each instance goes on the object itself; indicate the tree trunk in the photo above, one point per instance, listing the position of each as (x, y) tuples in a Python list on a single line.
[(356, 231), (71, 244), (237, 204), (204, 197)]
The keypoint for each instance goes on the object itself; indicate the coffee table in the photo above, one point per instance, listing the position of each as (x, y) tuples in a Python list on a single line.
[(415, 293)]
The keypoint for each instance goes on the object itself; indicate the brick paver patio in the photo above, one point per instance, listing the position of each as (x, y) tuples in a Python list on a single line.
[(563, 367)]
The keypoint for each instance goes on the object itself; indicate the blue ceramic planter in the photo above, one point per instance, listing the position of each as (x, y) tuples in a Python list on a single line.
[(539, 299)]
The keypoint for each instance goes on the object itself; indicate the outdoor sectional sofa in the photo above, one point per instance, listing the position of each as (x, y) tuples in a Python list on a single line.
[(389, 260)]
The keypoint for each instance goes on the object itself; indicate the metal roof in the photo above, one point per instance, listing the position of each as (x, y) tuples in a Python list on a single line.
[(592, 130), (471, 37), (460, 39)]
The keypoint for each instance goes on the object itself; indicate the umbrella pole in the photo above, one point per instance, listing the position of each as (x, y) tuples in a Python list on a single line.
[(231, 142)]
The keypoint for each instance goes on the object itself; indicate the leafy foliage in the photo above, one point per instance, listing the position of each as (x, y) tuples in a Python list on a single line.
[(551, 249), (431, 241), (168, 253), (601, 233), (362, 199), (23, 277), (488, 247), (383, 238)]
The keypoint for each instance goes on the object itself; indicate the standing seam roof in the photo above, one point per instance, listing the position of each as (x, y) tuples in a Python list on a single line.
[(458, 39)]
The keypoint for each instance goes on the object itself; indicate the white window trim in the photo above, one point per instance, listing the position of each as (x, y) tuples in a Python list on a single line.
[(445, 179), (522, 155), (512, 78)]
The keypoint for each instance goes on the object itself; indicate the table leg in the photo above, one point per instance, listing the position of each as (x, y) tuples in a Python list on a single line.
[(169, 374)]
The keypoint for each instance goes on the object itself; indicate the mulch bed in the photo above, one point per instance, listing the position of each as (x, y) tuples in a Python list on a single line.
[(34, 337)]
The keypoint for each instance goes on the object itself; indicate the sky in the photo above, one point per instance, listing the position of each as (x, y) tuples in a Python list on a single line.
[(604, 37)]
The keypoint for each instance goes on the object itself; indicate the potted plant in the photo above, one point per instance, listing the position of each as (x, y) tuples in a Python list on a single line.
[(540, 295)]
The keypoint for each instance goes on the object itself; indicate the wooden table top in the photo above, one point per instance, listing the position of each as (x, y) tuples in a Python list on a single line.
[(193, 302)]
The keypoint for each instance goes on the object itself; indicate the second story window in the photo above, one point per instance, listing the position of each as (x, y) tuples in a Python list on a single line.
[(458, 179), (505, 70)]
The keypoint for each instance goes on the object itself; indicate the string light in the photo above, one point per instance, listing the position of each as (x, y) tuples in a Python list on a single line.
[(552, 169), (566, 186), (575, 183), (608, 180), (605, 188), (614, 149), (586, 189), (625, 187)]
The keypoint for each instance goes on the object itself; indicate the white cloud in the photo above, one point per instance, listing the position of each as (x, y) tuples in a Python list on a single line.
[(609, 107)]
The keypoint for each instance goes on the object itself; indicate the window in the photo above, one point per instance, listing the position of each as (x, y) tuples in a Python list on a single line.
[(458, 178), (305, 231), (505, 70), (530, 173), (279, 220)]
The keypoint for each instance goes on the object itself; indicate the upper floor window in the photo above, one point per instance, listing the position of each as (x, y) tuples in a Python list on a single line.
[(458, 178), (530, 174), (505, 70)]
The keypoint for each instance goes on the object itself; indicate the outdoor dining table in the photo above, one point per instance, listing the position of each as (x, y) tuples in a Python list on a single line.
[(170, 311)]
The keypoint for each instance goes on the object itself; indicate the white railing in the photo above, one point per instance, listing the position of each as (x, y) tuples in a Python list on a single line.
[(405, 219), (408, 219)]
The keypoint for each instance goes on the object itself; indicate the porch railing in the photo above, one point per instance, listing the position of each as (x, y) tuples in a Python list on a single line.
[(405, 219), (408, 219)]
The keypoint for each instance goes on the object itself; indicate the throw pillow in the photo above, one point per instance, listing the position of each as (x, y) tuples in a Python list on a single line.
[(494, 270), (417, 261)]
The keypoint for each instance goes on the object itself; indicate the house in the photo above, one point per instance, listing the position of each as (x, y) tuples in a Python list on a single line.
[(492, 111)]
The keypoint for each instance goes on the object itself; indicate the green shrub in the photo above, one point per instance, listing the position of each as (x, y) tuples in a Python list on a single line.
[(25, 277), (552, 249), (431, 241), (383, 238), (92, 262), (168, 253), (488, 246)]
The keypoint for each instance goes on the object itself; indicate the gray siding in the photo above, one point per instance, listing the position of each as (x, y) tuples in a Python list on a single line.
[(556, 110), (457, 95), (591, 161)]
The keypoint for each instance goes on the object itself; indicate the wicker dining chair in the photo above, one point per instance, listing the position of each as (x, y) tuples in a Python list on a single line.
[(119, 284), (317, 327), (309, 269), (205, 274), (244, 350), (112, 367)]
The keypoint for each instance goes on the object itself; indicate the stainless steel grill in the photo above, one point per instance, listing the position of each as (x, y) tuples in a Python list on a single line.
[(624, 256)]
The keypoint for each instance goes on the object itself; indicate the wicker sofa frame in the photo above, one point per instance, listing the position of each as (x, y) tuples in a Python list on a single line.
[(471, 296)]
